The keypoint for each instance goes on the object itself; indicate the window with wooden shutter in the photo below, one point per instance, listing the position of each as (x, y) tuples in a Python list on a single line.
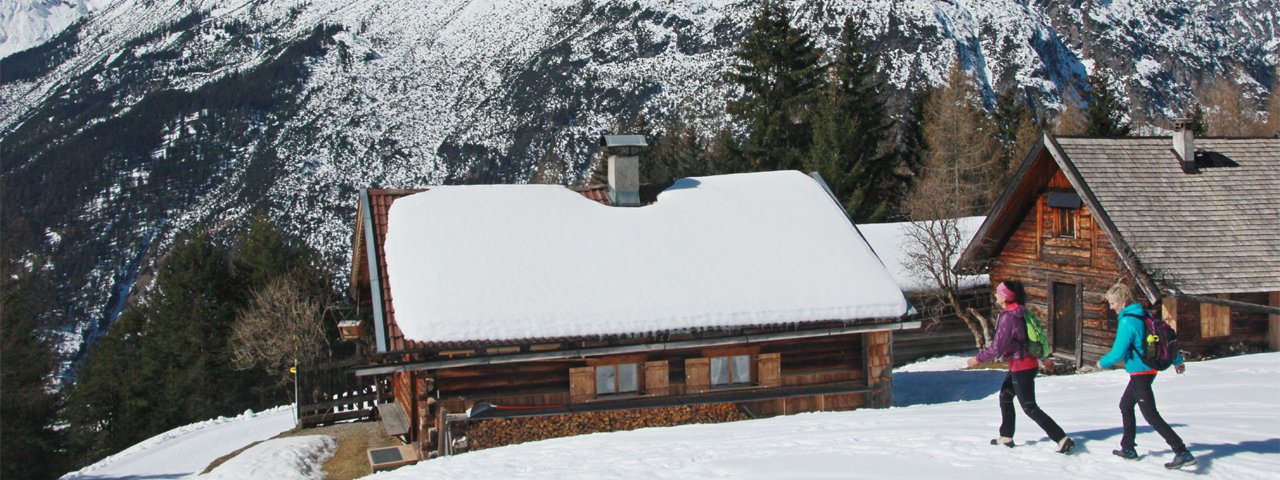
[(1215, 320)]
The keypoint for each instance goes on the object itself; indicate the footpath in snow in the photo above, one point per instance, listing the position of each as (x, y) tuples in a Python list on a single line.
[(1228, 411)]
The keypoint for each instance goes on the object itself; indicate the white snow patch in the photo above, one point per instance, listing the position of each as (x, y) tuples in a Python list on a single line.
[(187, 450), (289, 458), (540, 261)]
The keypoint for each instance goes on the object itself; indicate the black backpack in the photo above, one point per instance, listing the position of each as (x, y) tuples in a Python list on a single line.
[(1160, 343)]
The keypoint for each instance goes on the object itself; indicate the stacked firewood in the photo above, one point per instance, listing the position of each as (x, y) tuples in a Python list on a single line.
[(496, 433)]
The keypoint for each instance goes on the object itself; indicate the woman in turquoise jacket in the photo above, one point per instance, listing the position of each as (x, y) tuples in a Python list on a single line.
[(1127, 348)]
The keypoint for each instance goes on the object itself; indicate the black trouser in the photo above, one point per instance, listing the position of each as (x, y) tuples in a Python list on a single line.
[(1139, 393), (1023, 385)]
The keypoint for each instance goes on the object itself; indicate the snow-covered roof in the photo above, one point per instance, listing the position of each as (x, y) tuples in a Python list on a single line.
[(510, 262), (892, 243)]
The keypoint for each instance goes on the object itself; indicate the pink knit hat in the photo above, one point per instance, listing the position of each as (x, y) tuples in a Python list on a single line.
[(1004, 293)]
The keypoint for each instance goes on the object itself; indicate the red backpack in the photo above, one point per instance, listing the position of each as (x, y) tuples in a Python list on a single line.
[(1160, 342)]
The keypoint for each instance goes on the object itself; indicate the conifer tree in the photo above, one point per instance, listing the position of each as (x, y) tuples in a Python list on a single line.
[(909, 141), (1197, 120), (1016, 129), (778, 68), (725, 155), (262, 253), (850, 131), (1105, 116), (190, 317), (962, 164), (110, 404), (676, 153), (30, 445)]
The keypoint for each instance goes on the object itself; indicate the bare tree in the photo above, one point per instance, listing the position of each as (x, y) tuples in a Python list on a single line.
[(1071, 121), (1272, 127), (934, 242), (282, 326), (1231, 113)]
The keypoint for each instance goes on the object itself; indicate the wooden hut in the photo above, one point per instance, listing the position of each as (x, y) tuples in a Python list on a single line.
[(1197, 234), (508, 313)]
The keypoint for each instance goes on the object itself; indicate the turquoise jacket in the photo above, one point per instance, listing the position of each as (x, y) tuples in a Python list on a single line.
[(1128, 345)]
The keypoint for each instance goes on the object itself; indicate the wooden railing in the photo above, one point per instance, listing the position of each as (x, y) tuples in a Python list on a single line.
[(331, 392)]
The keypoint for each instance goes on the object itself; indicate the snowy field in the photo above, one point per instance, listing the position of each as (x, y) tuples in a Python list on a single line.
[(1227, 410)]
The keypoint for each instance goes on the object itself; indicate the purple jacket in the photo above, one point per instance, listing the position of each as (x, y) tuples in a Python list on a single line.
[(1011, 336)]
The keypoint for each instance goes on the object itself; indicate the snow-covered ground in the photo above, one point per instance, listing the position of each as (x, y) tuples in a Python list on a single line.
[(1228, 411), (289, 458), (188, 449)]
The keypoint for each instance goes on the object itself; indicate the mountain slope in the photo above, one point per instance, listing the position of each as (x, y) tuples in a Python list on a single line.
[(150, 117)]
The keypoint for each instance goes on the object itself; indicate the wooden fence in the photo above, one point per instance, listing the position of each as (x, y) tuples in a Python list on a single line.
[(330, 392)]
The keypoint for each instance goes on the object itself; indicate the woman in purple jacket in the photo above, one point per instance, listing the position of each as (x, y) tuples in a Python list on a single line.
[(1011, 345)]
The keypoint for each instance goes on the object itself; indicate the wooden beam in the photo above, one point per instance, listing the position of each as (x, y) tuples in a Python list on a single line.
[(1232, 304)]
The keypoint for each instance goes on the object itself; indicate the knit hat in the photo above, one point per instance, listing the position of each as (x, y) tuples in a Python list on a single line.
[(1003, 292)]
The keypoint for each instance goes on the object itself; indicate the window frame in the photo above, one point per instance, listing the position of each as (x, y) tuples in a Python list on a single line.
[(732, 370), (617, 379), (1065, 223)]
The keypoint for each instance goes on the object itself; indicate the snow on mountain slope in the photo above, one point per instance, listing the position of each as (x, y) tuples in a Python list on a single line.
[(1227, 410), (27, 23), (150, 118)]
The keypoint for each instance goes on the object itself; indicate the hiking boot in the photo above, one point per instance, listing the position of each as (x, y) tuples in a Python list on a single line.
[(1125, 453), (1182, 459), (1065, 445), (1006, 441)]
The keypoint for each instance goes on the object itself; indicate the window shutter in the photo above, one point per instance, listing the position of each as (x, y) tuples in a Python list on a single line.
[(1215, 320), (656, 381), (582, 384), (770, 369), (697, 374)]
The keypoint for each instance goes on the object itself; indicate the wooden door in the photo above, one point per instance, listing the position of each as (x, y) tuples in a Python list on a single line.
[(1064, 320)]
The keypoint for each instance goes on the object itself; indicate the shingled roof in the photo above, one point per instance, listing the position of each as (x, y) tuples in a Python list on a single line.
[(1215, 229), (1212, 229)]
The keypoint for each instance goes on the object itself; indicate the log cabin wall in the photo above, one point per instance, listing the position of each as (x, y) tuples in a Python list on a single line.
[(941, 331), (1243, 331), (841, 362), (1054, 268)]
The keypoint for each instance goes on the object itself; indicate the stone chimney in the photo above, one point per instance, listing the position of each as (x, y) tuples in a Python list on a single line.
[(1184, 143), (624, 168)]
